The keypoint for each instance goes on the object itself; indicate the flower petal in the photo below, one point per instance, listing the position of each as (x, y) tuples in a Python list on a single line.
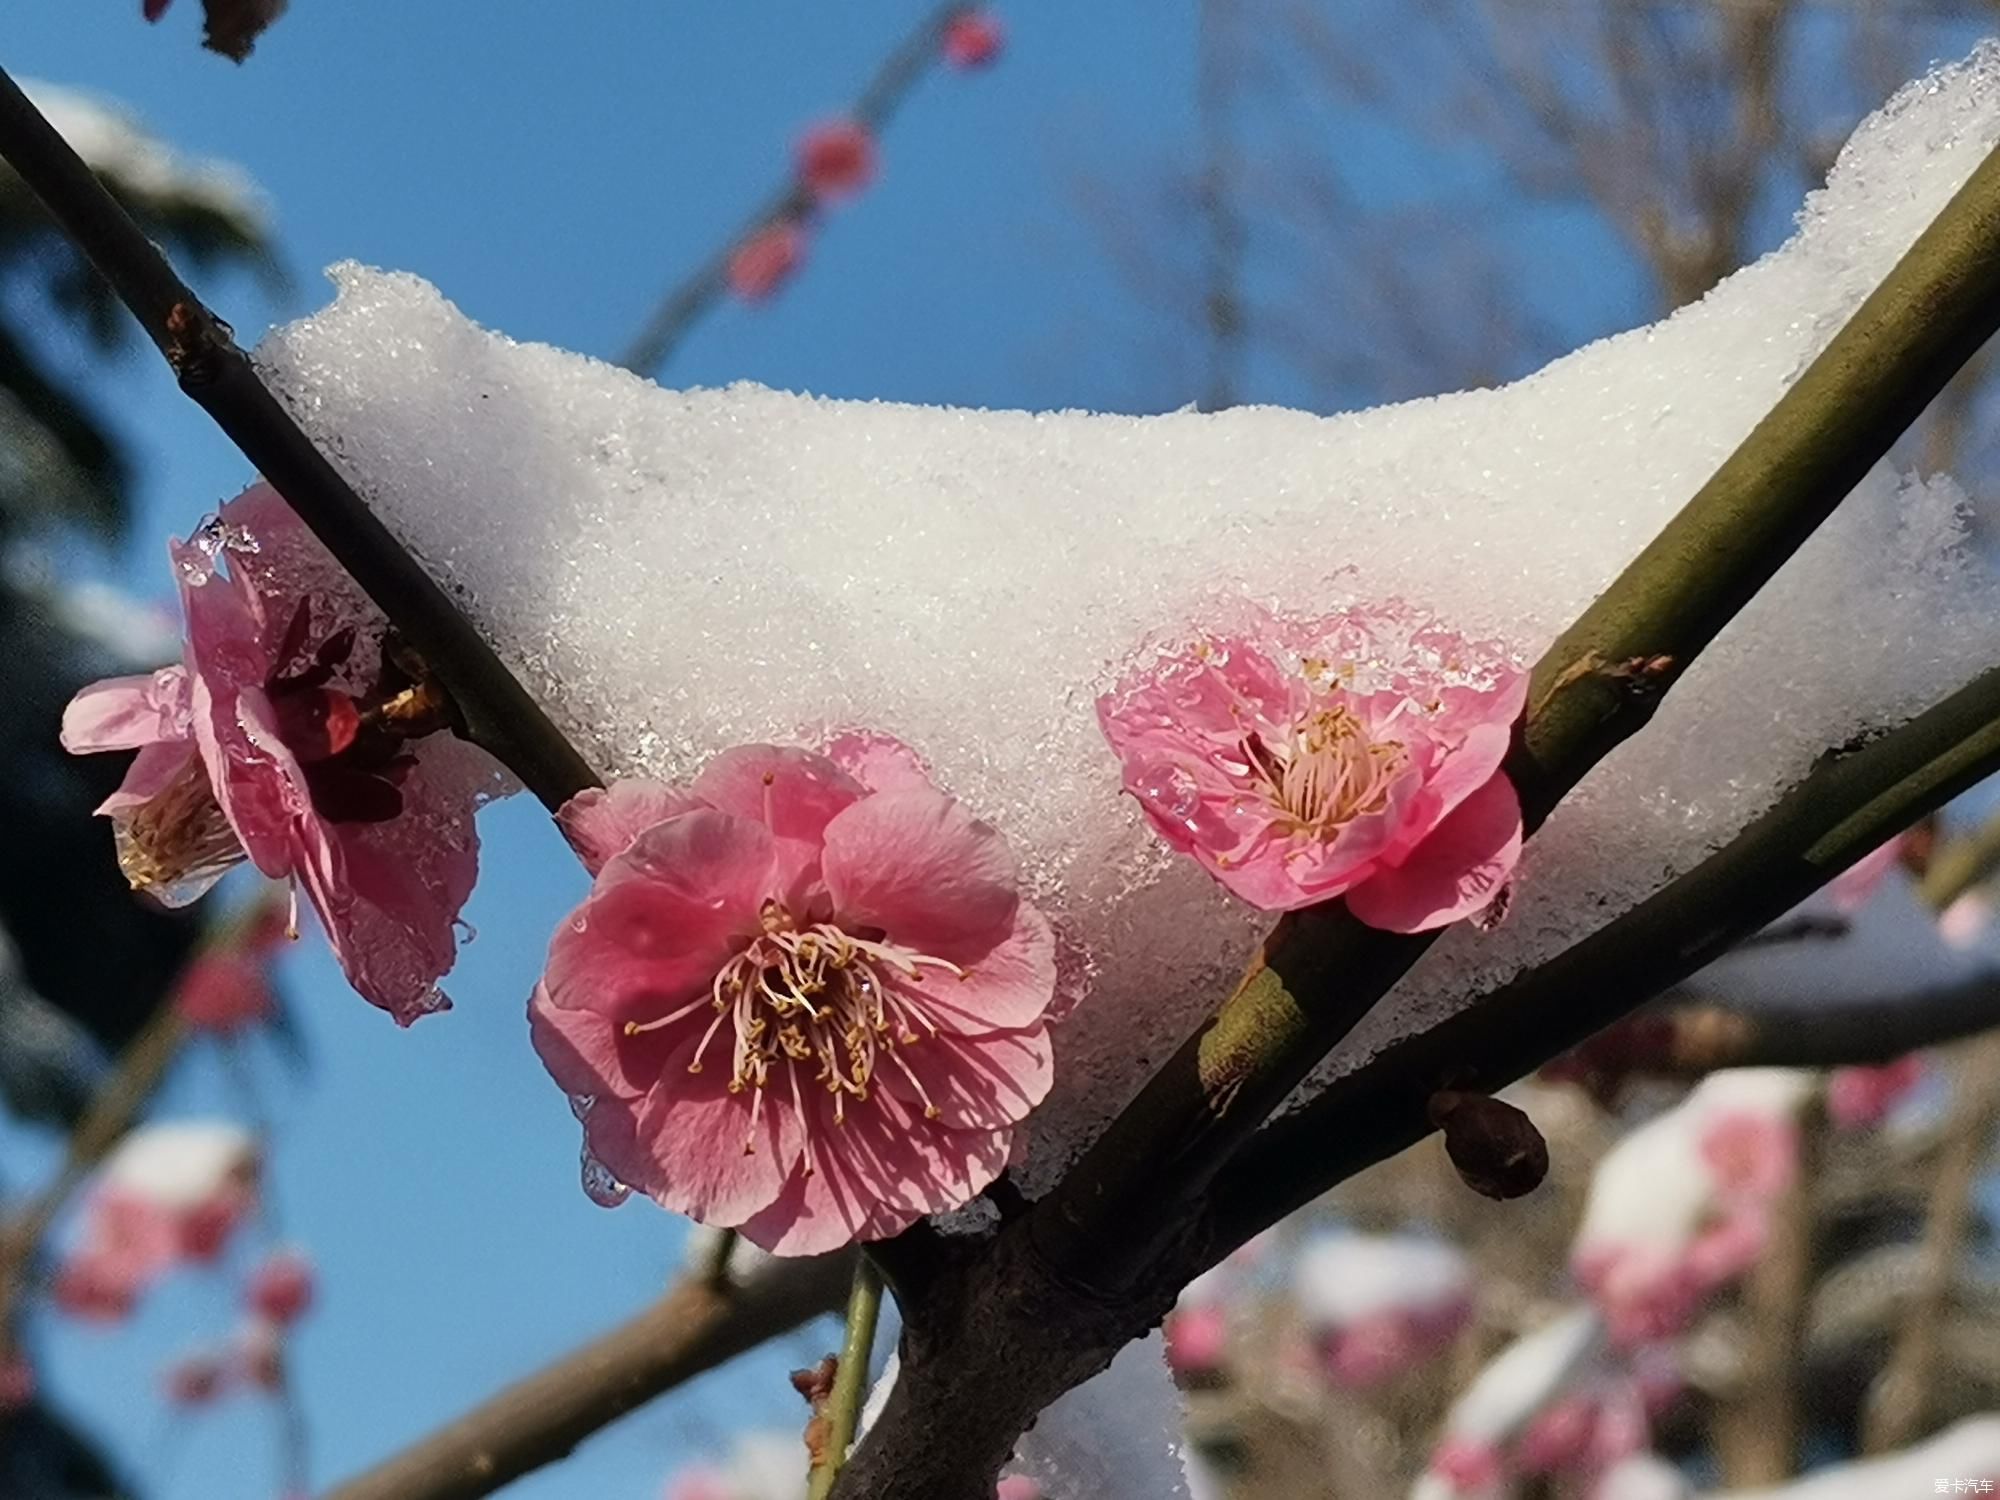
[(1008, 989), (876, 1175), (601, 822), (128, 713), (919, 866), (1451, 874), (665, 915), (880, 762), (984, 1082), (794, 793), (698, 1152)]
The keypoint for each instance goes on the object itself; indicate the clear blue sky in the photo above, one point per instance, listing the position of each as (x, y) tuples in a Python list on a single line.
[(552, 167)]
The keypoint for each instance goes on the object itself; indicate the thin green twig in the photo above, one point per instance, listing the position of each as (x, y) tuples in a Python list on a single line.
[(850, 1381)]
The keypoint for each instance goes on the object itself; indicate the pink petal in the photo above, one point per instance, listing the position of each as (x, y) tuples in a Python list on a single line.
[(128, 713), (920, 867), (876, 1175), (152, 771), (603, 821), (665, 915), (1852, 887), (984, 1082), (589, 1054), (1008, 989), (880, 762), (699, 1153), (1451, 874), (794, 793)]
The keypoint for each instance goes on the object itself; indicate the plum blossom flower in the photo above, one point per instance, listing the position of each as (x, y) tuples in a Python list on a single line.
[(1681, 1206), (1378, 1305), (196, 1379), (796, 1002), (972, 39), (1860, 1097), (836, 159), (290, 736), (226, 987), (168, 1193), (1473, 1453), (767, 259), (280, 1290), (1356, 755)]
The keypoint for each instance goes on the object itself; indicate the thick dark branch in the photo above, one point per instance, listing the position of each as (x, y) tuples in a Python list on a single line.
[(497, 711), (694, 1328), (1321, 970), (701, 289), (1703, 1036), (1844, 809)]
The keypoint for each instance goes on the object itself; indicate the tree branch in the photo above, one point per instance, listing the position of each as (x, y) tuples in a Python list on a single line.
[(498, 713), (693, 1328), (1703, 1036), (1844, 809)]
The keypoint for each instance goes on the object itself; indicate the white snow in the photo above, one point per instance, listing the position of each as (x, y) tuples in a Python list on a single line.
[(674, 572), (178, 1164), (1341, 1279), (110, 138), (1526, 1376), (1657, 1186)]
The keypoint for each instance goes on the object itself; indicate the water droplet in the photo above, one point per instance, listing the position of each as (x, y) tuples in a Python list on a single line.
[(599, 1185), (467, 933), (1170, 789)]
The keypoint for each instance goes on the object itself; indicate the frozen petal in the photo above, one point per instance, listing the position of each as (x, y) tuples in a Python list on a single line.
[(1451, 874)]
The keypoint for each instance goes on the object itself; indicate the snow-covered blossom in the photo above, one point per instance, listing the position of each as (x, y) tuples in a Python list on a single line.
[(1681, 1206), (797, 1002), (1355, 755), (972, 39), (291, 737), (836, 159), (1517, 1386), (168, 1192), (767, 259), (1377, 1305)]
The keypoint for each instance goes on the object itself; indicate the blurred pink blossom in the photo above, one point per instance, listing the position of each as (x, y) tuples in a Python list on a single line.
[(858, 961), (17, 1383), (1851, 889), (1860, 1097), (836, 159), (196, 1380), (1356, 755), (972, 39), (767, 259), (280, 1290)]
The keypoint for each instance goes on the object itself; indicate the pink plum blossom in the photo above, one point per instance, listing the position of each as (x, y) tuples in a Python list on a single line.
[(168, 1193), (289, 736), (972, 39), (1017, 1487), (196, 1380), (767, 259), (798, 1004), (1965, 921), (836, 159), (1851, 889), (1378, 1305), (280, 1290), (1860, 1097), (1356, 755), (1197, 1339)]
